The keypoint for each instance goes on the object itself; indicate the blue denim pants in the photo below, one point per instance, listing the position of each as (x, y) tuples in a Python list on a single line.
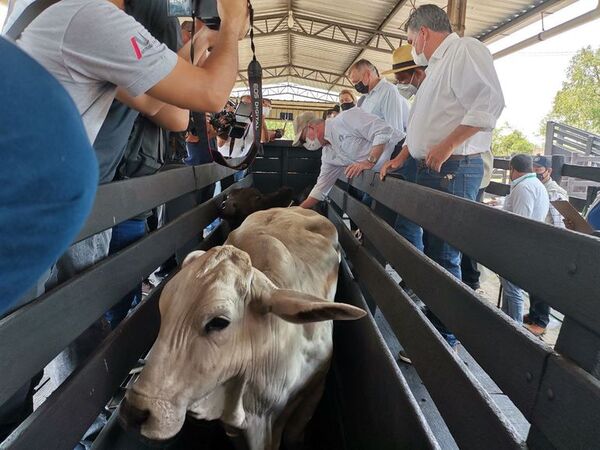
[(410, 231), (460, 177), (512, 300), (123, 235)]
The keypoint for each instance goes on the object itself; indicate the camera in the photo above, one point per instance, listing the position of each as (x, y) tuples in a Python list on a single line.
[(205, 10), (232, 121)]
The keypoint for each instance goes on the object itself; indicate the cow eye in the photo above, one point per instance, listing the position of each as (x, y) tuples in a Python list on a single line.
[(216, 324)]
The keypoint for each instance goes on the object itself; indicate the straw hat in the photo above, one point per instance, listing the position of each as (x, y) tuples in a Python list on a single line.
[(401, 60)]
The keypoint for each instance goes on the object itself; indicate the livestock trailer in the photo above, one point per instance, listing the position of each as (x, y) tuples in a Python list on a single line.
[(530, 395)]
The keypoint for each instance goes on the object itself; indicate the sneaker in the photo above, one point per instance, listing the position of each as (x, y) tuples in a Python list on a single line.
[(536, 330), (402, 356)]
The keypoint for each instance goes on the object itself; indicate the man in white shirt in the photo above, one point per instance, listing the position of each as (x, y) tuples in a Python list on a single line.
[(451, 121), (379, 96), (352, 142), (528, 198), (539, 312)]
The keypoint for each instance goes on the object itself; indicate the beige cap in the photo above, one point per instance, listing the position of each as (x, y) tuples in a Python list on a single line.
[(300, 123)]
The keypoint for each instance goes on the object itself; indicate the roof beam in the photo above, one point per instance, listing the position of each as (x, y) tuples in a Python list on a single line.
[(382, 25), (327, 31), (300, 73), (297, 91)]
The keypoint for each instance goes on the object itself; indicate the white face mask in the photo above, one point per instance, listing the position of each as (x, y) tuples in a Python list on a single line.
[(266, 110), (407, 90), (312, 144), (419, 59)]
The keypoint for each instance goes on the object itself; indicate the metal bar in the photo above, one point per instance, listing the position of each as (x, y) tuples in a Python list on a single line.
[(367, 378), (116, 202), (82, 396), (477, 324), (467, 409), (44, 327), (567, 411), (569, 261)]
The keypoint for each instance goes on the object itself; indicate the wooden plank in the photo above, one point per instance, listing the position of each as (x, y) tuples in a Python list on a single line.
[(523, 251), (44, 327), (78, 401), (270, 165), (469, 412), (369, 383), (568, 406), (582, 172), (122, 200), (476, 323), (570, 143)]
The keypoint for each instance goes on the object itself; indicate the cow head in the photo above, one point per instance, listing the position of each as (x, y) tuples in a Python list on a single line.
[(240, 203), (215, 316)]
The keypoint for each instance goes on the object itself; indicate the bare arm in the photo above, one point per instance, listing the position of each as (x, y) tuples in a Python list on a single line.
[(165, 116), (205, 88)]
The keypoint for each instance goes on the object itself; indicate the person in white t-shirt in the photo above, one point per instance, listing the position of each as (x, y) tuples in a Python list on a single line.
[(528, 198)]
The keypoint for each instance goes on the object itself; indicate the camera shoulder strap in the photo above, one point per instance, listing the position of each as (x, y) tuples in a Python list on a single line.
[(27, 16), (255, 84)]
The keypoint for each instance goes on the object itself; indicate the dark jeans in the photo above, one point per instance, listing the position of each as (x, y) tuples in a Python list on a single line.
[(539, 312), (468, 266), (460, 177), (123, 235)]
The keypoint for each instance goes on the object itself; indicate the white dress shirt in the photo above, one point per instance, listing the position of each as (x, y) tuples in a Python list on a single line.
[(351, 136), (528, 198), (385, 102), (461, 88), (555, 192)]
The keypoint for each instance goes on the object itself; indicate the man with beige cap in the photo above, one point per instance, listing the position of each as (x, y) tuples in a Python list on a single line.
[(352, 142)]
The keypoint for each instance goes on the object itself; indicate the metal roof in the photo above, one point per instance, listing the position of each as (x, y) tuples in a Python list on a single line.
[(314, 42)]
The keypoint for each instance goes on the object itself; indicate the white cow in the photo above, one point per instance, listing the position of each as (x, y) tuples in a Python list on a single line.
[(245, 333)]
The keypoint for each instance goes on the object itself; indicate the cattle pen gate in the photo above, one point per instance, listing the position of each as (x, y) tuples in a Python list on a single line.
[(369, 403)]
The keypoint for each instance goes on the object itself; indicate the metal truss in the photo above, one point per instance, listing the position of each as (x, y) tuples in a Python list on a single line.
[(328, 31), (292, 92), (301, 73)]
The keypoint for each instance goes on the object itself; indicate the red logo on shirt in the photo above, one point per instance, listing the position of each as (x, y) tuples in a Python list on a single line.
[(136, 48)]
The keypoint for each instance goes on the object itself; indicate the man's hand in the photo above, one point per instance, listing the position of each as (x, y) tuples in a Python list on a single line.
[(390, 166), (353, 170), (438, 155), (235, 14)]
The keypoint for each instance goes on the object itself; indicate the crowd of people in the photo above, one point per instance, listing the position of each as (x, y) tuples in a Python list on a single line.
[(94, 92)]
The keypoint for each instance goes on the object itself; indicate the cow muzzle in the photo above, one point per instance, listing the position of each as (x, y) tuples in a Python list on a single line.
[(152, 419)]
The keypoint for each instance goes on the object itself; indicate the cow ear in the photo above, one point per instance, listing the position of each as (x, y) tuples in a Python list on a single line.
[(297, 307), (192, 257)]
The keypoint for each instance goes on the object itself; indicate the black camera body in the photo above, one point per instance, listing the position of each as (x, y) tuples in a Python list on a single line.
[(231, 123), (205, 10)]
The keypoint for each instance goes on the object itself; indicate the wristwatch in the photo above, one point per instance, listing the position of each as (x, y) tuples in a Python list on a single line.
[(372, 159)]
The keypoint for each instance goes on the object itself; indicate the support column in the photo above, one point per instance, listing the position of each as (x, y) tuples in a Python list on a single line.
[(457, 12)]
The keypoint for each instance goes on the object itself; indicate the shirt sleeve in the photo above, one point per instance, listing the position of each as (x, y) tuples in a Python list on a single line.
[(475, 85), (391, 106), (556, 217), (369, 126), (327, 178), (102, 42)]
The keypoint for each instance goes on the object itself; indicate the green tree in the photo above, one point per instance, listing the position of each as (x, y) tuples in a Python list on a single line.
[(507, 141), (578, 102)]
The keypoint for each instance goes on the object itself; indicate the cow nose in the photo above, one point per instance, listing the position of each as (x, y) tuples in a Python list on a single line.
[(222, 205), (132, 416)]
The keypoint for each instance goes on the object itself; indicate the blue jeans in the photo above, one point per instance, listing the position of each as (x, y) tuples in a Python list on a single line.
[(410, 231), (460, 177), (123, 235), (512, 300)]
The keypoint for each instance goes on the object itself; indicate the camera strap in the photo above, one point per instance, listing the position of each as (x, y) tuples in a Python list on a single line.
[(255, 84)]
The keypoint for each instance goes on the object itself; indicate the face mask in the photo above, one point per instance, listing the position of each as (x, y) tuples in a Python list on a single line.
[(266, 110), (419, 59), (312, 144), (541, 176), (361, 88), (347, 106), (407, 90)]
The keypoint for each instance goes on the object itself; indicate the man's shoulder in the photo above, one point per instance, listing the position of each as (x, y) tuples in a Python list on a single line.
[(553, 187)]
